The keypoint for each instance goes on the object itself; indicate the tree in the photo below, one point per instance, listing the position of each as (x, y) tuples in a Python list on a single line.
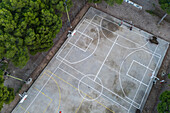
[(28, 27), (6, 94), (165, 5), (111, 2), (164, 105), (95, 1)]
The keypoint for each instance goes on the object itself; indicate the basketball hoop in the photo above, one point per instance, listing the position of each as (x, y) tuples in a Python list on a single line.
[(73, 33), (23, 97)]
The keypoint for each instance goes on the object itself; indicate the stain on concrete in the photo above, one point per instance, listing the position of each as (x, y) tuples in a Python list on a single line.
[(93, 30), (119, 92), (85, 108), (109, 25), (108, 34), (112, 64), (113, 109), (128, 86)]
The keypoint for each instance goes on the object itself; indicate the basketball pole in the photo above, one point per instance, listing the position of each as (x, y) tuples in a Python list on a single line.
[(67, 13)]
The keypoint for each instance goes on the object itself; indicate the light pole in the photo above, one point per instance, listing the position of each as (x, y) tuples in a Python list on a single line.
[(67, 13), (16, 78)]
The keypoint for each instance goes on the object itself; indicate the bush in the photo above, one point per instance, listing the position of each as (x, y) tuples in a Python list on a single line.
[(164, 105)]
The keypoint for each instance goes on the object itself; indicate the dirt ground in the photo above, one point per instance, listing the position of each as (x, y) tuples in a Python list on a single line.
[(140, 18)]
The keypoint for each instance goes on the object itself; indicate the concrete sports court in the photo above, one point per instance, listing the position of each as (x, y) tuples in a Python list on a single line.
[(103, 68)]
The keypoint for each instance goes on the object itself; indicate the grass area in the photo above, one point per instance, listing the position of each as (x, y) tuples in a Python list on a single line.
[(157, 13), (151, 12)]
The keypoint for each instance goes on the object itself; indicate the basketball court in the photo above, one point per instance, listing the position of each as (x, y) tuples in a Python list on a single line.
[(103, 68)]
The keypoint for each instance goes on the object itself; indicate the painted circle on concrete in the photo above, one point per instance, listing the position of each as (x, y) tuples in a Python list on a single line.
[(90, 87)]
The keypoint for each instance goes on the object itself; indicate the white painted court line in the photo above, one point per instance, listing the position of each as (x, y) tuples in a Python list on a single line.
[(65, 43), (105, 29), (106, 58), (45, 83), (100, 84), (143, 65), (84, 34), (49, 78), (78, 37), (93, 88), (90, 54), (121, 68), (148, 85), (114, 33), (140, 46), (137, 80), (143, 78), (132, 48), (91, 39), (155, 74), (77, 46), (43, 86), (122, 25), (132, 76)]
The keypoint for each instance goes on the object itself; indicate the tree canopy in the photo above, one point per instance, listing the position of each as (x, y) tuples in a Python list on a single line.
[(165, 5), (95, 1), (28, 26), (6, 94), (109, 2), (112, 2), (164, 105)]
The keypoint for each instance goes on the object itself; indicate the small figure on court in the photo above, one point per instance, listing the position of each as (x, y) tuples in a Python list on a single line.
[(120, 23), (130, 28)]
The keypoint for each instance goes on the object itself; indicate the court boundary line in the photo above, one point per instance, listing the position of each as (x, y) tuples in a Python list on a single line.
[(140, 81), (77, 89), (84, 50), (48, 79), (143, 78), (75, 62), (58, 90), (155, 70), (68, 40), (23, 108), (121, 69), (121, 26), (99, 84), (61, 62), (80, 104), (110, 49), (94, 88), (140, 46), (47, 97)]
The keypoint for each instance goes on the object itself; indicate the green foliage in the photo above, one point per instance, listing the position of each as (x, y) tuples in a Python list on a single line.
[(3, 66), (151, 12), (59, 5), (6, 94), (169, 75), (29, 26), (111, 2), (95, 1), (165, 5), (164, 106)]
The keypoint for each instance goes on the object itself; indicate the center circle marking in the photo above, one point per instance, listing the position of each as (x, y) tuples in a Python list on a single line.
[(87, 91)]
